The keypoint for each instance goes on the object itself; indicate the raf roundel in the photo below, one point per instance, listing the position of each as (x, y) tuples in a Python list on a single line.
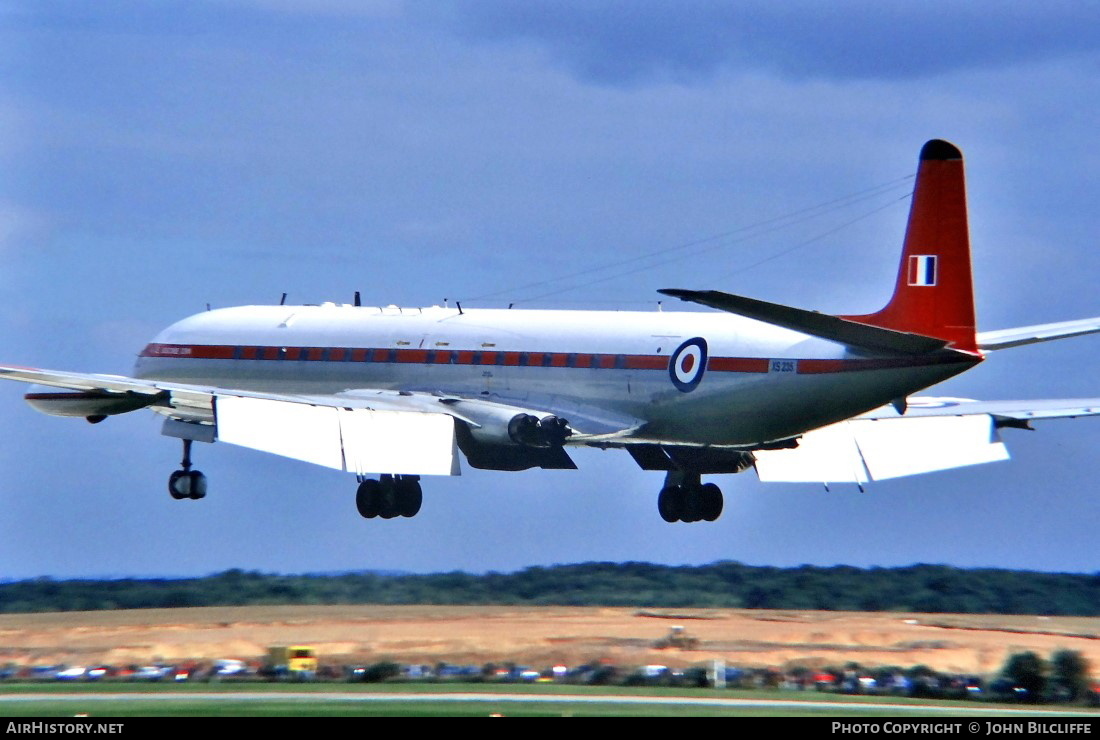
[(687, 364)]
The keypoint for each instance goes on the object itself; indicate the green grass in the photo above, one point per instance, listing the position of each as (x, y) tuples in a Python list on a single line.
[(351, 709), (172, 700)]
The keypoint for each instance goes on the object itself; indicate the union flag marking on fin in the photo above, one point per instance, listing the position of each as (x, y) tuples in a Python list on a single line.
[(922, 270)]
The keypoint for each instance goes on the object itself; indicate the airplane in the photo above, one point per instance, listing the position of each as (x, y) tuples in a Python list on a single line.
[(400, 393)]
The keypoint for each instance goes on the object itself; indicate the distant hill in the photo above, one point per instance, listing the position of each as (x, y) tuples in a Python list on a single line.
[(916, 588)]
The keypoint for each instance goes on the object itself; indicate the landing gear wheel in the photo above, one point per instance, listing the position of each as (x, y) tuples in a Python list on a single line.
[(409, 497), (693, 505), (391, 496), (198, 484), (387, 497), (368, 500), (179, 486), (670, 503), (187, 484), (710, 500)]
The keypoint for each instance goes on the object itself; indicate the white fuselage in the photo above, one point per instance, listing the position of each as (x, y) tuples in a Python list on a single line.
[(756, 383)]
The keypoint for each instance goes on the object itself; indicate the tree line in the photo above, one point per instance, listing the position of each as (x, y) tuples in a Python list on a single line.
[(916, 588)]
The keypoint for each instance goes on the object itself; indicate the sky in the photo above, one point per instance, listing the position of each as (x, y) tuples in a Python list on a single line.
[(159, 157)]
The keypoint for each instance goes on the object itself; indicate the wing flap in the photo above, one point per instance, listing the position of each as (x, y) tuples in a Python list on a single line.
[(893, 448), (355, 440), (1054, 408), (824, 455), (294, 430), (879, 449), (398, 442)]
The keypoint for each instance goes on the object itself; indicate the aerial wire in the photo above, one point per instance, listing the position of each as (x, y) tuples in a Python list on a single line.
[(715, 241)]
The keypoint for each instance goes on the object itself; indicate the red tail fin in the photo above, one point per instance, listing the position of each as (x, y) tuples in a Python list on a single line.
[(934, 294)]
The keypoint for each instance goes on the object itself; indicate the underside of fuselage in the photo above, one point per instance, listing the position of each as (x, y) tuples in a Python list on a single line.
[(754, 412)]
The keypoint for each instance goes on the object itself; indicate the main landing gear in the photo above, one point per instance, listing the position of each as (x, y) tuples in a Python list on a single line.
[(187, 483), (685, 499), (393, 495)]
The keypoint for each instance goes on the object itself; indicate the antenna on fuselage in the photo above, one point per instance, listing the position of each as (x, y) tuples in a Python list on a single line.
[(282, 301), (357, 301)]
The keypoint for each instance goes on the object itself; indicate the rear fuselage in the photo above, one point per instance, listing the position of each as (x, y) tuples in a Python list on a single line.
[(694, 378)]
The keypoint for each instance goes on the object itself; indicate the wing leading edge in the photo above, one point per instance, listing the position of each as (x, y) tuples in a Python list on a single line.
[(358, 430), (399, 434)]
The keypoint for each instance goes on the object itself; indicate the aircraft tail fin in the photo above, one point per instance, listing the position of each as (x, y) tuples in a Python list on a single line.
[(934, 293)]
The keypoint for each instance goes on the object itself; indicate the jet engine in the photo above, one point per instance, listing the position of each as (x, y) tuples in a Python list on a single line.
[(498, 437), (497, 424), (530, 431)]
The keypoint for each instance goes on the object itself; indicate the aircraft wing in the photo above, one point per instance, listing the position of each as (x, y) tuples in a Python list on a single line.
[(78, 381), (358, 430), (933, 434), (393, 433), (1005, 338)]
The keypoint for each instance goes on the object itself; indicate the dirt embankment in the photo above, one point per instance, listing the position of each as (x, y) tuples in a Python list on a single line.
[(541, 636)]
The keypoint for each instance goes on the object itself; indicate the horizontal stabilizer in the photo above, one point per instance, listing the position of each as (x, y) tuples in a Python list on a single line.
[(1005, 338), (813, 323)]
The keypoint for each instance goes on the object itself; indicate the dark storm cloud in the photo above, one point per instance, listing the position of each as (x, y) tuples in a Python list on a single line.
[(627, 42)]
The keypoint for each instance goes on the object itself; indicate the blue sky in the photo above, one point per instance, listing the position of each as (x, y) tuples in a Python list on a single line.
[(156, 157)]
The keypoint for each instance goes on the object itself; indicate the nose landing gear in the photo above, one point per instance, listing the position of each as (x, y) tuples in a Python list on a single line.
[(187, 483)]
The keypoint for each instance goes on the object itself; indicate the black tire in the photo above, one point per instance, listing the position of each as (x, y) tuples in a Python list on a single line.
[(409, 498), (179, 492), (670, 503), (711, 502), (692, 507), (198, 485), (388, 502), (367, 500)]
